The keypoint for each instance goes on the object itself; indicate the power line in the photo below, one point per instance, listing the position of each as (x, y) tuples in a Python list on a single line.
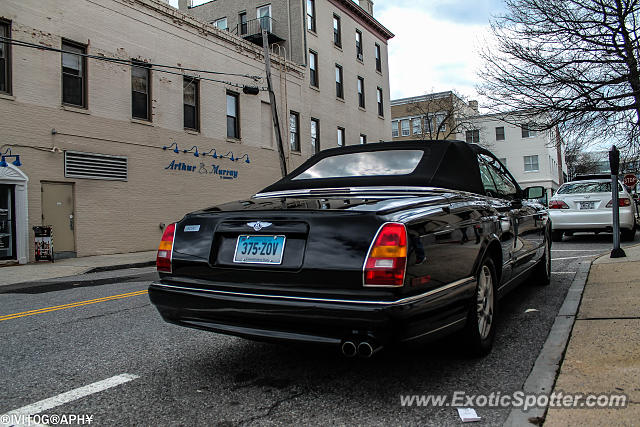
[(130, 63)]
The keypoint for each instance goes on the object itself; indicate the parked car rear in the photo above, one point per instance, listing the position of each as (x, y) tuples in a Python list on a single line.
[(585, 204)]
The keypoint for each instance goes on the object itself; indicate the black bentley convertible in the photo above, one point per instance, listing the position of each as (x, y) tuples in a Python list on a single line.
[(360, 247)]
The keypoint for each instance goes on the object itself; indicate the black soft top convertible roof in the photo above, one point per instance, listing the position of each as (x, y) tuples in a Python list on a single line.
[(446, 164)]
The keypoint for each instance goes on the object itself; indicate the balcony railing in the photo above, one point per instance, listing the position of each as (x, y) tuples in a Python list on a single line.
[(252, 30)]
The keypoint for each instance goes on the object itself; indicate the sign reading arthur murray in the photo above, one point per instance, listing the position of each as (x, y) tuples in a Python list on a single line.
[(203, 169)]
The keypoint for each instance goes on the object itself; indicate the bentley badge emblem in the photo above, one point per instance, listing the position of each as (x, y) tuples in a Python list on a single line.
[(259, 225)]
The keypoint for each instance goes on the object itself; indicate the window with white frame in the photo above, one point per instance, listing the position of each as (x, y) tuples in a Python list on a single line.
[(528, 130), (441, 125), (416, 125), (404, 125), (340, 137), (500, 133), (394, 128), (473, 136), (221, 24), (531, 163)]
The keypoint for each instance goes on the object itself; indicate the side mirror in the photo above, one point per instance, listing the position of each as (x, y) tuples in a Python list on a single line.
[(535, 192)]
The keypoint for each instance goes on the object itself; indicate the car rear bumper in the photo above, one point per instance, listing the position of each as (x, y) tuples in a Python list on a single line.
[(589, 220), (315, 320)]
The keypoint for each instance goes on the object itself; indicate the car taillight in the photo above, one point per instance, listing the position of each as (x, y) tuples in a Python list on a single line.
[(165, 250), (387, 259), (622, 202), (557, 204)]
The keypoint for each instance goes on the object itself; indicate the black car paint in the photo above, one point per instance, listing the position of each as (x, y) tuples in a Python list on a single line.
[(448, 235), (317, 293)]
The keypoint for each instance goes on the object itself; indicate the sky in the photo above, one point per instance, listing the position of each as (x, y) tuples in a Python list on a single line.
[(436, 43)]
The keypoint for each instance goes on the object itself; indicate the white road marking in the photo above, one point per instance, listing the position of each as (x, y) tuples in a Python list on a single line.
[(573, 257), (563, 272), (70, 396)]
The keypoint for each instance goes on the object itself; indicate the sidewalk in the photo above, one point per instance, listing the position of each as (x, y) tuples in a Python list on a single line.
[(603, 354), (74, 266)]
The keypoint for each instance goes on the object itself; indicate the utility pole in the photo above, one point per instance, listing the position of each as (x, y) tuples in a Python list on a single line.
[(272, 99)]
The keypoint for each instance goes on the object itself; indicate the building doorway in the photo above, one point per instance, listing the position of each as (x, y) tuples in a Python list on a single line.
[(58, 212), (7, 222)]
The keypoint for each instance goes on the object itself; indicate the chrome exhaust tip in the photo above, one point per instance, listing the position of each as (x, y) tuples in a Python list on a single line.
[(348, 349), (365, 349)]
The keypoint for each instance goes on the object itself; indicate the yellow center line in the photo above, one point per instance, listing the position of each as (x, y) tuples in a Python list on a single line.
[(70, 305)]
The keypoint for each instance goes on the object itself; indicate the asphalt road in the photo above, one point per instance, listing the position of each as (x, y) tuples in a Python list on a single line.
[(180, 376)]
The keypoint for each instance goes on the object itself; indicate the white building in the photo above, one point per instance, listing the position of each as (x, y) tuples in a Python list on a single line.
[(533, 157)]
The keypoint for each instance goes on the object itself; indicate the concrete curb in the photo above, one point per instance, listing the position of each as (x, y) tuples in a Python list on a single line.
[(81, 280), (120, 267), (543, 375)]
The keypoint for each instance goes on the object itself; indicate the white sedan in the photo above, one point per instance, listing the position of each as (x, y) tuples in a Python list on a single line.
[(586, 205)]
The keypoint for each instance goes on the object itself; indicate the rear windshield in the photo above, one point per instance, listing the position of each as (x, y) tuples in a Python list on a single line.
[(372, 163), (587, 187)]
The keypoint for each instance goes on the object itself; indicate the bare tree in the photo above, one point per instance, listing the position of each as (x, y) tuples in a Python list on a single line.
[(574, 61), (444, 116)]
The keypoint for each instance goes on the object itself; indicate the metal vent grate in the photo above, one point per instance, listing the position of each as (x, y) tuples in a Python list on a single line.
[(95, 166)]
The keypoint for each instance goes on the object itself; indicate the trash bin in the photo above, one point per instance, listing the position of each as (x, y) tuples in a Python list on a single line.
[(43, 243)]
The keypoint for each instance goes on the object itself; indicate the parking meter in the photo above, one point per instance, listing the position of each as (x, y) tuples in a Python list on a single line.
[(614, 164)]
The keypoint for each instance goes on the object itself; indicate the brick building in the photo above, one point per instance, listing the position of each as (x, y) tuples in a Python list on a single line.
[(120, 129)]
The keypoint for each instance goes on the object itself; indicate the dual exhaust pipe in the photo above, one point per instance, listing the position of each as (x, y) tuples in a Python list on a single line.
[(363, 349)]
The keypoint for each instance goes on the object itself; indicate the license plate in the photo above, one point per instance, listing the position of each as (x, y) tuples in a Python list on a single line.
[(587, 205), (259, 249)]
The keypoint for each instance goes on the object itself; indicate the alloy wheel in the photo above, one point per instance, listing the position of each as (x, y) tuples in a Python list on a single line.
[(484, 302)]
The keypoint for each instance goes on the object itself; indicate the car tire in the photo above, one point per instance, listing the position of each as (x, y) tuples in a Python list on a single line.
[(480, 328), (556, 235), (628, 235), (541, 275)]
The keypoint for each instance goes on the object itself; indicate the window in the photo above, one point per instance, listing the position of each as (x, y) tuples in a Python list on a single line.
[(500, 133), (313, 68), (428, 123), (264, 15), (441, 125), (191, 100), (340, 137), (503, 182), (339, 88), (294, 131), (404, 124), (5, 58), (527, 131), (473, 136), (74, 73), (371, 163), (363, 138), (311, 15), (394, 128), (221, 23), (531, 163), (378, 59), (233, 113), (359, 45), (315, 135), (361, 92), (140, 90), (337, 32), (417, 128), (380, 106), (242, 19)]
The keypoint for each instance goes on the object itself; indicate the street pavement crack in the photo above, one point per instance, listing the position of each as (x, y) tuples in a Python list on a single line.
[(270, 409)]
